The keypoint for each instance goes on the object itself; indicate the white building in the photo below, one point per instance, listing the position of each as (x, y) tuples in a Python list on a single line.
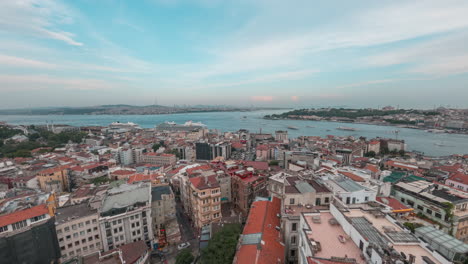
[(125, 215)]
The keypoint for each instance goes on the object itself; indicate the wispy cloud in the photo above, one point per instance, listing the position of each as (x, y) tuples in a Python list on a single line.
[(37, 18), (262, 98), (44, 82), (13, 61)]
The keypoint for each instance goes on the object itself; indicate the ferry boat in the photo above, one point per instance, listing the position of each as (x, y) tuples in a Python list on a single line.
[(346, 128)]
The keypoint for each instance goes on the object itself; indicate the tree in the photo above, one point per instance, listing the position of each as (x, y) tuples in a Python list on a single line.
[(370, 154), (273, 163), (184, 257), (156, 147), (222, 247), (401, 152)]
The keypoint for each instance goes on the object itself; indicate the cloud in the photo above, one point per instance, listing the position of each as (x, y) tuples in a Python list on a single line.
[(37, 18), (440, 56), (262, 98), (24, 63), (45, 82)]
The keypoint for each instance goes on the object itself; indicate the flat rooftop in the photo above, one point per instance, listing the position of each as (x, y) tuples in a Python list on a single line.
[(67, 213), (401, 240), (327, 234), (125, 195)]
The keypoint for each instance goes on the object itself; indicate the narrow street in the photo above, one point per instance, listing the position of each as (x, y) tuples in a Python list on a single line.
[(188, 234)]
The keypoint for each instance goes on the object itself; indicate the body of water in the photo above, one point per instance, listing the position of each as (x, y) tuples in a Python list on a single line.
[(429, 143)]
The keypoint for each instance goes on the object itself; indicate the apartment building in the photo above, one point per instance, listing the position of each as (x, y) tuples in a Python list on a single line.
[(205, 198), (161, 159), (163, 210), (440, 203), (125, 215), (28, 236), (78, 233), (54, 179)]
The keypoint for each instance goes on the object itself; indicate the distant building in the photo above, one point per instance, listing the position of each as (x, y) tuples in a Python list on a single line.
[(161, 159), (281, 136), (207, 151), (54, 179)]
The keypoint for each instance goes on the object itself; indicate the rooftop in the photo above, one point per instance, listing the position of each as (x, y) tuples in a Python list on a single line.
[(158, 191), (126, 195), (324, 233), (65, 214), (17, 216)]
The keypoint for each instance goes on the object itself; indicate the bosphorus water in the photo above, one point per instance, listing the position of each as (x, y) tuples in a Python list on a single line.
[(420, 140)]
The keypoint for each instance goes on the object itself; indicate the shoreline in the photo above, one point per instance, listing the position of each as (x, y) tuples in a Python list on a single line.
[(377, 124)]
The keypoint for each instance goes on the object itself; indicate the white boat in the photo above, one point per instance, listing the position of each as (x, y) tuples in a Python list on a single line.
[(347, 128), (190, 123)]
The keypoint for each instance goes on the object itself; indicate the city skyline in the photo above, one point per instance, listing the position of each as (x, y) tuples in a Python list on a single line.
[(242, 53)]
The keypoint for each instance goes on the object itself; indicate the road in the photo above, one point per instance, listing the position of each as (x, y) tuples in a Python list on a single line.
[(188, 234)]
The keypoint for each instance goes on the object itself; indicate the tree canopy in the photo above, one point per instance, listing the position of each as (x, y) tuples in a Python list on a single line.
[(185, 256), (222, 247)]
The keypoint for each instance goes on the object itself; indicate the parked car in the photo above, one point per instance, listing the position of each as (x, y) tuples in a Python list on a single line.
[(183, 245)]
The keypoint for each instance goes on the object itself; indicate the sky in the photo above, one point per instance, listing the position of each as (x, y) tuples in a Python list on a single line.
[(299, 53)]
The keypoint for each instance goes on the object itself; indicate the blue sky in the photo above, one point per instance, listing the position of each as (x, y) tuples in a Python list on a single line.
[(243, 52)]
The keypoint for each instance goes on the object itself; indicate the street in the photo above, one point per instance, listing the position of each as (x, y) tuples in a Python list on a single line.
[(188, 234)]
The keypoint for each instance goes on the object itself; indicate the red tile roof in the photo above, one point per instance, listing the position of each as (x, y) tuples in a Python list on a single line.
[(258, 165), (23, 215), (393, 203), (202, 182), (372, 168), (263, 219), (352, 176), (142, 177), (460, 177)]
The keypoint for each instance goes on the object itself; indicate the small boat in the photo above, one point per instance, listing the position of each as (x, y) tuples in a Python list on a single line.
[(244, 117), (342, 239), (310, 126), (293, 127), (347, 128)]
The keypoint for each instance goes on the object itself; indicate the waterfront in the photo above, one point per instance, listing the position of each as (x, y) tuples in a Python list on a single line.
[(416, 139)]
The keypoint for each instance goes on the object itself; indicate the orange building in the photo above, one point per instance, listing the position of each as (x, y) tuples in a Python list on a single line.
[(55, 179)]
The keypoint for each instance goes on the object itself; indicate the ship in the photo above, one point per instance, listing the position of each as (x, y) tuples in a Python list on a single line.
[(293, 127), (347, 128), (310, 126)]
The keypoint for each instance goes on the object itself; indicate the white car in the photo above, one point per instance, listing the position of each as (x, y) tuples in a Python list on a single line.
[(183, 245)]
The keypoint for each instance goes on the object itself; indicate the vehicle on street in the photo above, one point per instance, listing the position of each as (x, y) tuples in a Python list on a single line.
[(183, 245)]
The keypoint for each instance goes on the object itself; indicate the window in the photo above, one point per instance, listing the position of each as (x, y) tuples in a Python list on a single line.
[(19, 225), (77, 243), (318, 201), (90, 238), (120, 228), (62, 248), (293, 240), (88, 222), (294, 227), (438, 215), (82, 233), (70, 245), (420, 207), (75, 235), (94, 221), (293, 252), (119, 221), (114, 222), (429, 211), (366, 198), (59, 231), (67, 229), (83, 241), (403, 199), (327, 200), (74, 227), (68, 237), (95, 228), (96, 236), (88, 231), (3, 229), (291, 201), (61, 239), (80, 225)]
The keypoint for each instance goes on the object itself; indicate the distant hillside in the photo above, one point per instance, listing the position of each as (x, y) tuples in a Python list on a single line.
[(122, 109)]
